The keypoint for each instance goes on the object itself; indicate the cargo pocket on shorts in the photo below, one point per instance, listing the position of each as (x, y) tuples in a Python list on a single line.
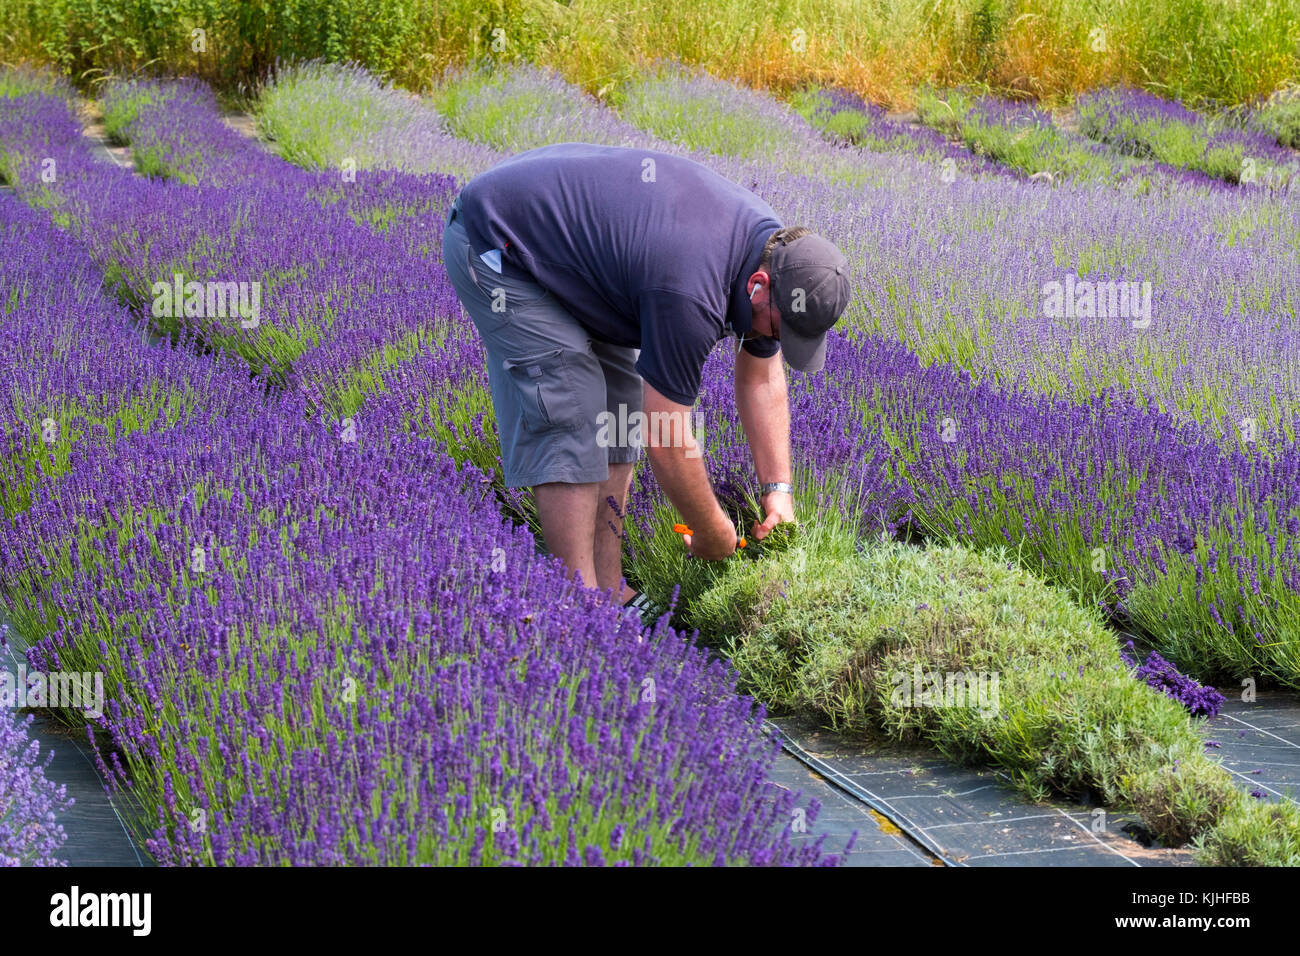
[(546, 392)]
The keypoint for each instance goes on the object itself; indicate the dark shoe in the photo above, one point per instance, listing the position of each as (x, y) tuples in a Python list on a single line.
[(646, 609)]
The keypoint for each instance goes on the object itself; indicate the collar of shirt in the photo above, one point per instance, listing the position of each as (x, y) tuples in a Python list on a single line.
[(740, 314)]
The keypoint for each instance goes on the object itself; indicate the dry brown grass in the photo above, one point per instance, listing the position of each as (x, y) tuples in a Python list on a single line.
[(881, 49)]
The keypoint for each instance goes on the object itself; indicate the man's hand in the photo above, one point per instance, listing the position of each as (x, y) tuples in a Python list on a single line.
[(777, 507), (715, 547)]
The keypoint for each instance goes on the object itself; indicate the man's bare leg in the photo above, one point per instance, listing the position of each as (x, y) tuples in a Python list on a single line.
[(609, 541), (567, 513), (576, 519)]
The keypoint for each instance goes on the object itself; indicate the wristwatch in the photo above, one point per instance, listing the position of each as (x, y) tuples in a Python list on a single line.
[(782, 486)]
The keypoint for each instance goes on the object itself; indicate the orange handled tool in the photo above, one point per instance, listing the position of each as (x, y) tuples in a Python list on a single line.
[(680, 528)]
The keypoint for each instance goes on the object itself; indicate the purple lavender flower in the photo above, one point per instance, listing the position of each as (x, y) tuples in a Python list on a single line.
[(29, 803), (1200, 700)]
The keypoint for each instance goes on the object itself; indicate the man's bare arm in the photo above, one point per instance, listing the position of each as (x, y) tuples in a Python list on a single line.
[(684, 478), (763, 402)]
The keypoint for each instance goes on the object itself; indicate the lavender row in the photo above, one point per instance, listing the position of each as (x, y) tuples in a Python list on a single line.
[(151, 116), (29, 802), (1025, 138), (364, 279), (314, 117), (1133, 509), (845, 117), (1144, 125), (270, 599), (1066, 291), (180, 121), (80, 371), (1150, 514), (1135, 512), (81, 376), (298, 626)]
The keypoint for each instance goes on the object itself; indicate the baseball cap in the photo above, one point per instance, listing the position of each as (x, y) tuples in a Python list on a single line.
[(811, 290)]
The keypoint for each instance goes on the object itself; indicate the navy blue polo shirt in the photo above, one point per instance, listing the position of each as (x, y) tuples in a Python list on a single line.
[(645, 249)]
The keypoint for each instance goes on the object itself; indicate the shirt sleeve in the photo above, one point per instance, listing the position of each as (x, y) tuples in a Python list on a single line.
[(677, 335)]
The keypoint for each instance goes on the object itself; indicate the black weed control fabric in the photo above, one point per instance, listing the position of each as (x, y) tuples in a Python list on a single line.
[(96, 833), (954, 815)]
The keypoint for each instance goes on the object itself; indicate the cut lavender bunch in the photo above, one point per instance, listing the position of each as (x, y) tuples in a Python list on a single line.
[(1200, 700)]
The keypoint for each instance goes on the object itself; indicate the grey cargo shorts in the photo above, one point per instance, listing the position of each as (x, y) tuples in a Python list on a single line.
[(550, 380)]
